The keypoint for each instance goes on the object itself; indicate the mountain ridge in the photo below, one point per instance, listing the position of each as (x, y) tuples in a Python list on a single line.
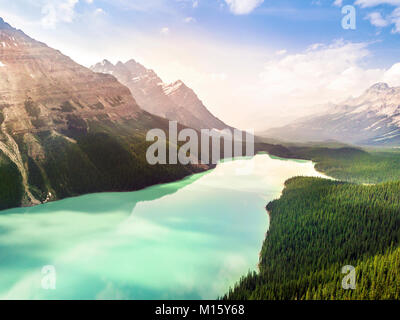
[(174, 101), (373, 118), (57, 117), (67, 131)]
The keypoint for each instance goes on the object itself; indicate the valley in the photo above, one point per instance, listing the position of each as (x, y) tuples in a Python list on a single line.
[(57, 117), (78, 193), (162, 242)]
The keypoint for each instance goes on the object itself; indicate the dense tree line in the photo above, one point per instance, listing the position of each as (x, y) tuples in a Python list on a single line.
[(354, 165), (11, 188), (317, 227), (106, 158)]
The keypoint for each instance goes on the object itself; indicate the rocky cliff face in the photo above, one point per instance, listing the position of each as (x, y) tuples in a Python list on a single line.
[(173, 101), (42, 89), (187, 102), (66, 130), (372, 118)]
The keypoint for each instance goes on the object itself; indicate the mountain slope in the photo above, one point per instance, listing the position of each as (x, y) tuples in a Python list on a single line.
[(66, 130), (373, 119), (173, 101)]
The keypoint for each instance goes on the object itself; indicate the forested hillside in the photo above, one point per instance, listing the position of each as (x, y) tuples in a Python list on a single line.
[(10, 184), (353, 165), (317, 227), (94, 156)]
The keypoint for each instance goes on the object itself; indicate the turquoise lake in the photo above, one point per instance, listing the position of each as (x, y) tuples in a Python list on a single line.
[(190, 239)]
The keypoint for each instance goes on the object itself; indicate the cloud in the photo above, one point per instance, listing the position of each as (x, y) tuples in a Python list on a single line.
[(99, 11), (189, 20), (243, 6), (395, 19), (58, 11), (164, 31), (377, 20), (338, 3), (295, 84), (281, 52), (374, 3), (392, 76)]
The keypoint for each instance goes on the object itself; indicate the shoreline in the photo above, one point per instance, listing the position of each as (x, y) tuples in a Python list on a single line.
[(323, 176), (202, 169)]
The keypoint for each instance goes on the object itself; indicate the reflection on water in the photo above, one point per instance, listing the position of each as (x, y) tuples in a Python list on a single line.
[(190, 239)]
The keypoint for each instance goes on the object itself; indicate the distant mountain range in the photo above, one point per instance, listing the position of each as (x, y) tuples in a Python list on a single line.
[(174, 101), (370, 119)]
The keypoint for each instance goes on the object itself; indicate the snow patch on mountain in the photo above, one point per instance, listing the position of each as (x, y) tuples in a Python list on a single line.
[(173, 101), (373, 117), (171, 88)]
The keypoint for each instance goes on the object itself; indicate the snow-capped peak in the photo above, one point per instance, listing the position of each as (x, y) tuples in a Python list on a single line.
[(105, 62), (171, 88), (380, 86)]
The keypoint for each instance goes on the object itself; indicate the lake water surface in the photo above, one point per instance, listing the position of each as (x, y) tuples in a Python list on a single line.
[(190, 239)]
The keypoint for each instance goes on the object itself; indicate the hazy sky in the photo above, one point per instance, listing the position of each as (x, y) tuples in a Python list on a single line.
[(254, 63)]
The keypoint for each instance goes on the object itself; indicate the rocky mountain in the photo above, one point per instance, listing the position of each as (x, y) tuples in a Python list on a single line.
[(370, 119), (174, 101), (66, 130)]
